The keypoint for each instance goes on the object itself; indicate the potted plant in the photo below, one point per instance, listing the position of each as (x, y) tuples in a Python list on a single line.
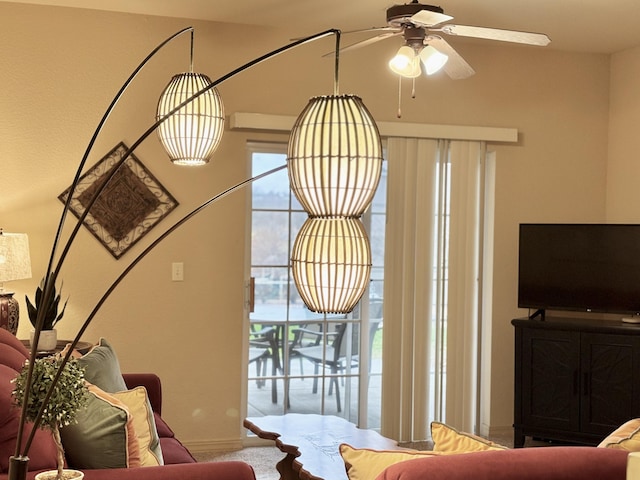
[(68, 397), (48, 335)]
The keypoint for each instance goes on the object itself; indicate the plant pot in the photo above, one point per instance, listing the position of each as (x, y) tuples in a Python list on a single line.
[(67, 474), (47, 341)]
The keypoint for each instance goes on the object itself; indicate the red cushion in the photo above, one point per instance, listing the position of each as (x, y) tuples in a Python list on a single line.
[(550, 463), (174, 452), (7, 338), (11, 357), (43, 449), (163, 429)]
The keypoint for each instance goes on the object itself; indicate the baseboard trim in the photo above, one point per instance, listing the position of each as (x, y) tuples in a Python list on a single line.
[(489, 431), (252, 441), (205, 446)]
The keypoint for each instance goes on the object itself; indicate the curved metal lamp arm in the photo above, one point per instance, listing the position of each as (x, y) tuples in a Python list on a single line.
[(159, 122), (52, 274), (98, 130), (49, 280)]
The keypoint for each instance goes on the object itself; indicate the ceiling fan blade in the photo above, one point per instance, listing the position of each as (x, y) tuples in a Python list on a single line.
[(427, 18), (372, 29), (456, 67), (528, 38), (368, 41)]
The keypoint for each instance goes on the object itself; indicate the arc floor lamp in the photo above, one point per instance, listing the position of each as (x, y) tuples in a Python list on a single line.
[(334, 162)]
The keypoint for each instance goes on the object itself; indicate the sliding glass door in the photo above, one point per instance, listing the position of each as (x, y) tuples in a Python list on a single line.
[(300, 361)]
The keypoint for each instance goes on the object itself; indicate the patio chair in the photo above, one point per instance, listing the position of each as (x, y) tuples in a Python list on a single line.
[(329, 351), (263, 346)]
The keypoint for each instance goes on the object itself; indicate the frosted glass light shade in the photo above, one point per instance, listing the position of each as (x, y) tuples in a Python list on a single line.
[(192, 134), (335, 157), (432, 59), (331, 263), (406, 63), (15, 261)]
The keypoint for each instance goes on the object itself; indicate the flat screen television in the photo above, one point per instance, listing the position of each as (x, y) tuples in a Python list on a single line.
[(580, 267)]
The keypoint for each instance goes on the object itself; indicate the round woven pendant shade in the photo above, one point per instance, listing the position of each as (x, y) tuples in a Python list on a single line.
[(335, 157), (331, 263), (191, 135)]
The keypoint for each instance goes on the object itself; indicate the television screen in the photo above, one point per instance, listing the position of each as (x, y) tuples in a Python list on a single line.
[(579, 267)]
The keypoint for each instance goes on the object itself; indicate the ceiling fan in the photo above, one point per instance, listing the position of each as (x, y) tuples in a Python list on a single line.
[(422, 26)]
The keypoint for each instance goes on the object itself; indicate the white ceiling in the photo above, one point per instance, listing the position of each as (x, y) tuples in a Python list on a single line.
[(604, 26)]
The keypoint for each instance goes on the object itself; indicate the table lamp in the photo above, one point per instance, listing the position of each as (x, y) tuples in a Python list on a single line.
[(15, 264)]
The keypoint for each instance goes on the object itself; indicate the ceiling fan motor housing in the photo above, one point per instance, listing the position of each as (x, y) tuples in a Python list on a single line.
[(400, 15)]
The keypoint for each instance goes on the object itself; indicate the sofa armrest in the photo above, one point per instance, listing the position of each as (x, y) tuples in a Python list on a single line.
[(151, 382)]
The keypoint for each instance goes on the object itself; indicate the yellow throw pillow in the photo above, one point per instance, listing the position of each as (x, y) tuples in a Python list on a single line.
[(137, 402), (626, 437), (449, 440), (367, 464)]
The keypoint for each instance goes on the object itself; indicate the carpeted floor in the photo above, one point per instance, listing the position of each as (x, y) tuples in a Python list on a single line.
[(262, 459)]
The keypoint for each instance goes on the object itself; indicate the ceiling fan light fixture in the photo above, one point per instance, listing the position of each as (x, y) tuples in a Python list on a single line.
[(406, 63), (432, 59)]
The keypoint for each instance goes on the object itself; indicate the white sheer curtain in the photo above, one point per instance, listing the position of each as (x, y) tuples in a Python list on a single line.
[(431, 285)]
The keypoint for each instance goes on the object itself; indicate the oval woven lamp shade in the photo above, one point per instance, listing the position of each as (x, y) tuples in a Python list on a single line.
[(193, 133), (331, 263), (335, 156)]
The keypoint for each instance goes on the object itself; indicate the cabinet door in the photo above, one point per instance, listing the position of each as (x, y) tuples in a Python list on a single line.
[(610, 381), (550, 375)]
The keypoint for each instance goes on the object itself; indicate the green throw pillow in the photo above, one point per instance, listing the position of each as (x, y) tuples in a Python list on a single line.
[(102, 368), (103, 437)]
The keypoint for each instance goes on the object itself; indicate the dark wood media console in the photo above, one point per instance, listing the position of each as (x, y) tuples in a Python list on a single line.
[(576, 380)]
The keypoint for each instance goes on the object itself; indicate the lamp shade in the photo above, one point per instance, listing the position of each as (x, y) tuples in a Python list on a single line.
[(406, 63), (192, 134), (15, 264), (15, 261), (432, 59), (331, 263), (335, 156)]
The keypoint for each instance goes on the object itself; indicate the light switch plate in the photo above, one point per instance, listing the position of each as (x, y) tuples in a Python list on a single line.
[(177, 271)]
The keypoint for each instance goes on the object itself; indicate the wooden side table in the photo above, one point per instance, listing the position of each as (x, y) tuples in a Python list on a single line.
[(82, 347), (311, 443)]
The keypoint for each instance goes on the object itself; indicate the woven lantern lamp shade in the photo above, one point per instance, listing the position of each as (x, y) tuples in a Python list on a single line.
[(335, 163), (335, 157), (15, 264), (331, 263), (192, 134)]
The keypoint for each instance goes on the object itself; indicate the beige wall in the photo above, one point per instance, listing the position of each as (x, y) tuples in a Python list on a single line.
[(58, 71), (623, 169)]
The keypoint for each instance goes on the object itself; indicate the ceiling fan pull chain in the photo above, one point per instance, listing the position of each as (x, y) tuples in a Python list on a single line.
[(413, 88), (399, 96)]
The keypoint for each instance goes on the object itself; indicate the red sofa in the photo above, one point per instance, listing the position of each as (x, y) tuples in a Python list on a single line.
[(537, 463), (178, 461)]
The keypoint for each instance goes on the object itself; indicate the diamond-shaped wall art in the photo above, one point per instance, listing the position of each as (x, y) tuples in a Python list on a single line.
[(132, 203)]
